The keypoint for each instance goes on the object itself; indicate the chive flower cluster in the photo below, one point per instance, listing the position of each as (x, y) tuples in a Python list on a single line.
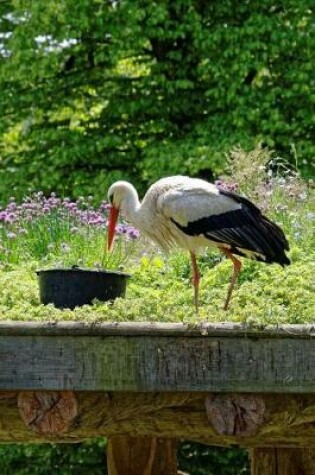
[(41, 226)]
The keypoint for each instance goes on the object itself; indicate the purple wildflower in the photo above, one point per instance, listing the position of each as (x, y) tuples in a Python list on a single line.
[(12, 206), (121, 229), (225, 186), (71, 205), (7, 217), (104, 206), (97, 220), (133, 233)]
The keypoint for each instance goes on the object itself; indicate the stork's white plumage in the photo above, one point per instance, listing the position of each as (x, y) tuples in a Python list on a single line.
[(194, 214)]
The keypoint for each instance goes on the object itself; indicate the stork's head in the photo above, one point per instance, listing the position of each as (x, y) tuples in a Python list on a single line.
[(119, 196)]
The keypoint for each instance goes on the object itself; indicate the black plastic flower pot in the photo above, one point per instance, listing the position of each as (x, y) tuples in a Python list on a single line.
[(74, 287)]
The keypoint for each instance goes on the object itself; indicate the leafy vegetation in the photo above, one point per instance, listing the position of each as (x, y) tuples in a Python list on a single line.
[(93, 91), (89, 458), (54, 459)]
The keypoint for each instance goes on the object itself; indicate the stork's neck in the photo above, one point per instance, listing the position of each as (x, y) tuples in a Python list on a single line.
[(131, 206)]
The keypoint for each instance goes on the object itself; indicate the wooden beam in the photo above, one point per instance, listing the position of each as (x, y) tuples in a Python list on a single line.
[(131, 358), (141, 456), (263, 420)]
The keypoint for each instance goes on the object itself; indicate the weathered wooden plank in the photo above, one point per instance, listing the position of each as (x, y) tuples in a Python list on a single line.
[(227, 329), (141, 456), (157, 363), (289, 420)]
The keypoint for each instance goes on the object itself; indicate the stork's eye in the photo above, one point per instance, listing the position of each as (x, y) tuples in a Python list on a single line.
[(111, 198)]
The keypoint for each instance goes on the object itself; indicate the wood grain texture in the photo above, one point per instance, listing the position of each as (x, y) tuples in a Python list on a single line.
[(289, 420), (48, 412), (157, 363), (235, 414), (283, 461), (141, 456)]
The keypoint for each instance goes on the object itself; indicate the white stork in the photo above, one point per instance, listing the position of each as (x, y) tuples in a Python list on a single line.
[(194, 214)]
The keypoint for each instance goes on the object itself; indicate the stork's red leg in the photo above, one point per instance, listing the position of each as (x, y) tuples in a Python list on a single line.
[(196, 278), (237, 269)]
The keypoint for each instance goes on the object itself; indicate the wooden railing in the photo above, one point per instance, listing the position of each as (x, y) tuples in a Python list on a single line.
[(144, 386)]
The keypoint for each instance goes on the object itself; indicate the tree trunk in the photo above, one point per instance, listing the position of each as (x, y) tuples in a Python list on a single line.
[(278, 461), (141, 456)]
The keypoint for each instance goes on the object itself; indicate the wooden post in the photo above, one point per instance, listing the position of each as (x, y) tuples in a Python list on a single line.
[(278, 461), (141, 456)]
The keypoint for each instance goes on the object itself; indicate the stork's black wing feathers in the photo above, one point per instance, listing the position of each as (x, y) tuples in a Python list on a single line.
[(243, 229)]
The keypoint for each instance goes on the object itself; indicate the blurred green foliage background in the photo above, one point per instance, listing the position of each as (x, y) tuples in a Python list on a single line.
[(96, 90), (88, 458)]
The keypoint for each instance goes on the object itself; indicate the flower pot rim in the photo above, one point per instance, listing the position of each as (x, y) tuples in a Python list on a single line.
[(83, 270)]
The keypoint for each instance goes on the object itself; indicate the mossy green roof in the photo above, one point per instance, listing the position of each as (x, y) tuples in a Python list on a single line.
[(161, 291)]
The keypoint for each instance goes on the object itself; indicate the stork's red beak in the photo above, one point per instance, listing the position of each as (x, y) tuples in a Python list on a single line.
[(113, 215)]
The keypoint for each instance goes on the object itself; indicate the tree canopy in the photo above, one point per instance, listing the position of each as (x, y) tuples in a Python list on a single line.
[(96, 90)]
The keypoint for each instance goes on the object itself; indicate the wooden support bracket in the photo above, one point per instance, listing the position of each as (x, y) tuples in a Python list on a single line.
[(268, 420)]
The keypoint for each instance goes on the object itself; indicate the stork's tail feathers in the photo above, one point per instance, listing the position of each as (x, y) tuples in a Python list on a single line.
[(262, 235), (277, 242)]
